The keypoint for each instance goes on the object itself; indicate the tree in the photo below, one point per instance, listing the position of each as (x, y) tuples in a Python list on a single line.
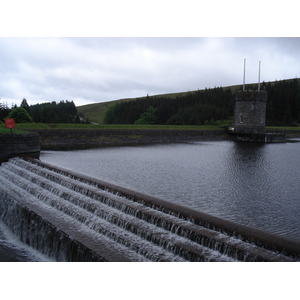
[(25, 105), (4, 111), (52, 112), (175, 120), (148, 117), (20, 115), (77, 120)]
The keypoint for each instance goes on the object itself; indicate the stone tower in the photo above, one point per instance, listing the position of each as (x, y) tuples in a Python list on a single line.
[(250, 111)]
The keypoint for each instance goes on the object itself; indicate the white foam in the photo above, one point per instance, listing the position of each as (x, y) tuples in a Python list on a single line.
[(8, 238)]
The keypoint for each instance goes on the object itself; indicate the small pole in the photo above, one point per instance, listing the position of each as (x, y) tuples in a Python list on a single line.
[(244, 74), (259, 77)]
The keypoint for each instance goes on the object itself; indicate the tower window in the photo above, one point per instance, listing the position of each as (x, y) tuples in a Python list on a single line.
[(241, 118)]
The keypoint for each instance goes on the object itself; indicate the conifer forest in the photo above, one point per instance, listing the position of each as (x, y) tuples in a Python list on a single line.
[(211, 106)]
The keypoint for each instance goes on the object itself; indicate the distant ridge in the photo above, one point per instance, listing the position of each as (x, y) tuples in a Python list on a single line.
[(95, 112)]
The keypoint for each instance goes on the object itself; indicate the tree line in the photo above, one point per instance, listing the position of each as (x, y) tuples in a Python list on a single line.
[(213, 106), (210, 106), (193, 108), (283, 107), (52, 112)]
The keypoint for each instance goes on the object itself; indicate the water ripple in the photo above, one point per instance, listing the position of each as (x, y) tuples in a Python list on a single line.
[(253, 184)]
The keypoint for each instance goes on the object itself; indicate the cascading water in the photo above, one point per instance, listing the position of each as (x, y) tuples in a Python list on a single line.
[(71, 217)]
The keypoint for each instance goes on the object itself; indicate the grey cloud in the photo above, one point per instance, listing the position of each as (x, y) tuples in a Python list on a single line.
[(90, 70)]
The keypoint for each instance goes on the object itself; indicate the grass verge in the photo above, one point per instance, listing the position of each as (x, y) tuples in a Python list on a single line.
[(5, 130), (112, 126), (21, 127)]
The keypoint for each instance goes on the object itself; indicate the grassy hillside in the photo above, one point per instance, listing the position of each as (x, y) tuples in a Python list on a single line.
[(95, 112)]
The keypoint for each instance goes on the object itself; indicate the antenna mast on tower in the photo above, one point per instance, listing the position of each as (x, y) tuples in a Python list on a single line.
[(259, 77), (244, 74)]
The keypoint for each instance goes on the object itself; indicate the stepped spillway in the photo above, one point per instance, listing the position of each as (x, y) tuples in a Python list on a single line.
[(71, 217)]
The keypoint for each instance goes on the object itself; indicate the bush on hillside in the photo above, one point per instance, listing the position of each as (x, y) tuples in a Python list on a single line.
[(148, 117), (20, 115)]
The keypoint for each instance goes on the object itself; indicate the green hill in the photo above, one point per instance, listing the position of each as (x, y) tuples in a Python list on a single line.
[(95, 112), (283, 107)]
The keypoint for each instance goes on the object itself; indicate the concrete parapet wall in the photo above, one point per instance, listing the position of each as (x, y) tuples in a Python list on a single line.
[(19, 144)]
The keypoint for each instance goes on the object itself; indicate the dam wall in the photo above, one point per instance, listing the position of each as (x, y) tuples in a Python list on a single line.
[(19, 144), (72, 217), (68, 139), (72, 139)]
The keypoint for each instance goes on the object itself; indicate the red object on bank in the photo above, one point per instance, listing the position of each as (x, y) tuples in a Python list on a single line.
[(10, 123)]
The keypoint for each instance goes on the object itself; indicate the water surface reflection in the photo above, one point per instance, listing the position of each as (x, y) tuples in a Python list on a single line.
[(253, 184)]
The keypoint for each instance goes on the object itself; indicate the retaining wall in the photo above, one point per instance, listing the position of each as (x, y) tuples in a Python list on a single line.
[(68, 139), (19, 144)]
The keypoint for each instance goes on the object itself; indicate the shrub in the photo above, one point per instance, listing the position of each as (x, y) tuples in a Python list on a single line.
[(148, 117), (20, 115)]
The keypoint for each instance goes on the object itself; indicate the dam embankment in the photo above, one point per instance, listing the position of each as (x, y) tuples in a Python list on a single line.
[(35, 140), (19, 144), (72, 139), (69, 139)]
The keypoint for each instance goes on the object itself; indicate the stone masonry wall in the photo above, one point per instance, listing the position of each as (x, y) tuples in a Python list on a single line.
[(250, 111), (68, 139), (19, 144)]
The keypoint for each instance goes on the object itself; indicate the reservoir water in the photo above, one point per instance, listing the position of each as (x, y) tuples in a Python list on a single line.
[(257, 185)]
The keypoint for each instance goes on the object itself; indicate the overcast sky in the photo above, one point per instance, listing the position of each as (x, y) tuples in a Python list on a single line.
[(89, 70), (97, 69)]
